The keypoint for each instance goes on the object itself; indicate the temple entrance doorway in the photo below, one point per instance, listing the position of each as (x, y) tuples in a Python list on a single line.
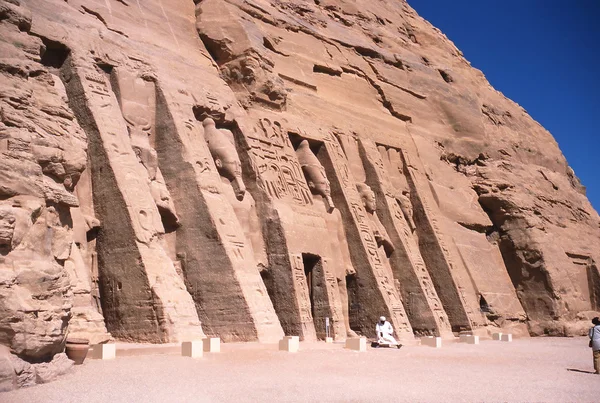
[(317, 292)]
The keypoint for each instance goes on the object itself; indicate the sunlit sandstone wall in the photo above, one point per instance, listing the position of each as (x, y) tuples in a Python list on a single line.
[(247, 169)]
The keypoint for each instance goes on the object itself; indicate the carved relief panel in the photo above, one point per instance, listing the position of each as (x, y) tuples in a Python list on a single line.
[(276, 164)]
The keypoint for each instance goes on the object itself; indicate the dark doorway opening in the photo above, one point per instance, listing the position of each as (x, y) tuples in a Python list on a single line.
[(317, 292), (310, 262), (353, 302)]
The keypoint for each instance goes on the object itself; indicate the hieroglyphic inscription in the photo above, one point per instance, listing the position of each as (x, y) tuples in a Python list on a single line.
[(200, 156), (279, 172), (301, 287), (332, 293), (232, 237)]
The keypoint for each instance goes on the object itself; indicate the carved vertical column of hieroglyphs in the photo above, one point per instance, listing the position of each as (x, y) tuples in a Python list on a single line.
[(143, 298), (376, 293), (331, 284), (447, 271), (203, 172), (385, 176)]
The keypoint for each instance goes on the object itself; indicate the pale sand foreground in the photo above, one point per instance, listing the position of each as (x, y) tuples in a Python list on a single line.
[(525, 370)]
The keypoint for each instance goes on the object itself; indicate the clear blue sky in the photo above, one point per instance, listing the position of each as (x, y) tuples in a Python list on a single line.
[(544, 55)]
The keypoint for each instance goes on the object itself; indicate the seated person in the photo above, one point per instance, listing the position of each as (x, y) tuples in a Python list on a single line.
[(384, 331)]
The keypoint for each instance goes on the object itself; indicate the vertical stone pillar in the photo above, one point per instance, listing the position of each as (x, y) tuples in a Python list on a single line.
[(143, 298)]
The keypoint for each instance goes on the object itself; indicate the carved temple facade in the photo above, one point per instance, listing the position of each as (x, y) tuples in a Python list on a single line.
[(251, 173)]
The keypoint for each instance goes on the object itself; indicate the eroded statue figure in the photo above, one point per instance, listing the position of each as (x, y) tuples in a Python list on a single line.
[(370, 204), (315, 174), (222, 148)]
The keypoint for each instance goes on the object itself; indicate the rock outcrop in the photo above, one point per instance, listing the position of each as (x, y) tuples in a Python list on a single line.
[(248, 169), (18, 373)]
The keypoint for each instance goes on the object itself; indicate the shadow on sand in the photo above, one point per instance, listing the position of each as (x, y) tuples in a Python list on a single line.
[(580, 370)]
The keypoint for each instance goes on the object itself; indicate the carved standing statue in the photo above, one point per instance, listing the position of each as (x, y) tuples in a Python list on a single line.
[(315, 174), (340, 253), (381, 236), (403, 200), (136, 98), (222, 149)]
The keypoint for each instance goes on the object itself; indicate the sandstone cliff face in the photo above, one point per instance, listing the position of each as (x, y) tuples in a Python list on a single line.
[(248, 168)]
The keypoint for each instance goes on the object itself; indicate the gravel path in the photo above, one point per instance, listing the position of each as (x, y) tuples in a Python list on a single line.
[(537, 369)]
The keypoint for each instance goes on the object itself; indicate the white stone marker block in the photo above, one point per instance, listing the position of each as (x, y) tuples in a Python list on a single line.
[(192, 349), (290, 344), (469, 339), (431, 341), (211, 345), (496, 336), (357, 344), (104, 351), (506, 337), (328, 339)]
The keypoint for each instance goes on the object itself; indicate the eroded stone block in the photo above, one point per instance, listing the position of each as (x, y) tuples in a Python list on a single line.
[(357, 344), (431, 341), (212, 344), (497, 336), (192, 349), (290, 344), (469, 339), (506, 337), (104, 351)]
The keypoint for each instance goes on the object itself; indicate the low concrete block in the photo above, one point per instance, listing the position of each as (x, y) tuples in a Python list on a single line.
[(192, 349), (211, 345), (328, 339), (104, 351), (496, 336), (290, 344), (468, 338), (431, 341), (357, 344), (506, 337)]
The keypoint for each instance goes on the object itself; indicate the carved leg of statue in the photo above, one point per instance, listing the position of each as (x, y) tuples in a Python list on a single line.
[(408, 215), (407, 211), (162, 199), (345, 311)]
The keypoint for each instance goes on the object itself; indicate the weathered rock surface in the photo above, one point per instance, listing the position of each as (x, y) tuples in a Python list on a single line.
[(17, 373), (245, 169)]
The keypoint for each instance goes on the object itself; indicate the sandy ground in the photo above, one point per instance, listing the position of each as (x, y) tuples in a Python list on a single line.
[(526, 370)]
